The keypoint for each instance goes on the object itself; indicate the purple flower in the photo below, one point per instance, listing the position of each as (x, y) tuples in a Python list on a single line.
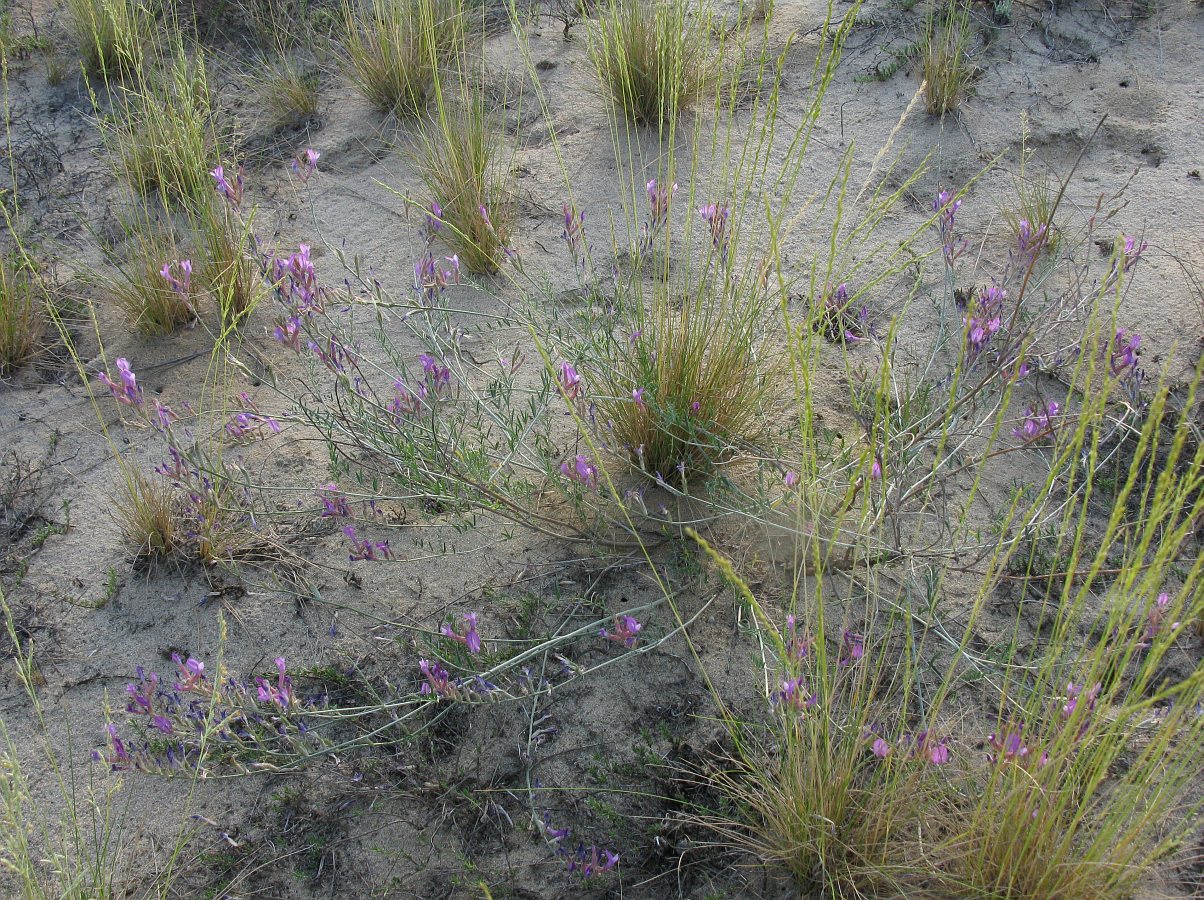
[(365, 549), (798, 646), (582, 471), (591, 861), (881, 748), (437, 376), (1038, 423), (876, 468), (946, 207), (1009, 746), (791, 479), (232, 192), (626, 631), (182, 283), (574, 234), (795, 695), (852, 647), (984, 319), (281, 693), (1124, 355), (126, 390), (191, 675), (929, 749), (569, 381), (334, 504), (438, 682), (1130, 252), (469, 638), (1031, 240), (431, 279), (1154, 620), (659, 198), (296, 283), (305, 164), (637, 397), (716, 216)]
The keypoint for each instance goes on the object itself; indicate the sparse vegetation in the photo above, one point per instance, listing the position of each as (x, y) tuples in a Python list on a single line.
[(628, 465)]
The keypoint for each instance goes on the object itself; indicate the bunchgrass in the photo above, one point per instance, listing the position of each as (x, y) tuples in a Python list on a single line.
[(944, 67), (78, 853), (653, 57), (287, 89), (392, 49), (162, 133), (228, 268), (467, 175), (153, 281), (23, 321), (148, 512), (1030, 218), (111, 36)]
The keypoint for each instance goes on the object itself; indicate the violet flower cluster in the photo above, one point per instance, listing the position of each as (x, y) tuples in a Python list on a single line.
[(235, 723), (364, 549), (581, 471), (438, 683), (839, 322), (946, 207), (1038, 422), (232, 191), (436, 383), (305, 164), (178, 276), (716, 216), (581, 860), (660, 198), (922, 746), (983, 319), (574, 237), (469, 638), (212, 503), (626, 631)]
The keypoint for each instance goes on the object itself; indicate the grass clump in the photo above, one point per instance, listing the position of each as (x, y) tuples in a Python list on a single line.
[(288, 90), (23, 320), (162, 136), (148, 513), (944, 67), (228, 267), (110, 35), (685, 392), (652, 56), (392, 49), (153, 284), (469, 185)]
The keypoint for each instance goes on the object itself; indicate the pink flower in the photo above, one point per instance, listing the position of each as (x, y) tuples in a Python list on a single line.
[(626, 631), (569, 381), (583, 471)]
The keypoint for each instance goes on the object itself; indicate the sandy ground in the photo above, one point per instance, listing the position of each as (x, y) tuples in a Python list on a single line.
[(436, 817)]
